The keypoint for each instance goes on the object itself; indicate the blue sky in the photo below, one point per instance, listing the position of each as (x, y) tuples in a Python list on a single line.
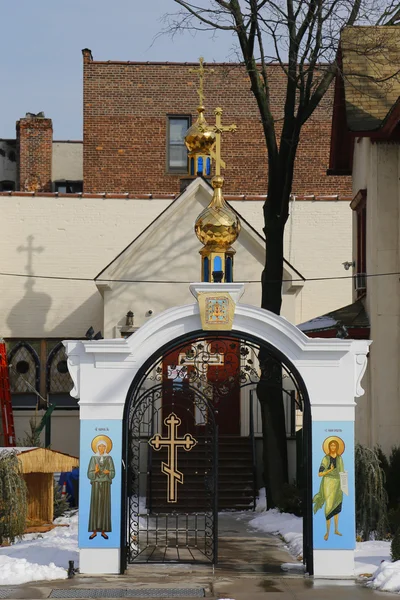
[(41, 60)]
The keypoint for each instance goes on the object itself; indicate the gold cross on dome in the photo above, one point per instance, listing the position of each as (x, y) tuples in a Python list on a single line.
[(172, 442), (201, 71), (218, 128)]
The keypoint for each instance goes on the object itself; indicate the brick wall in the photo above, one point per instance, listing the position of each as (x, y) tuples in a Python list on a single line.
[(125, 127), (34, 153)]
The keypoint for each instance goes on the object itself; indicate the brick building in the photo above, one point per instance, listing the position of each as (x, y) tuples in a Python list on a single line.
[(135, 115), (132, 224)]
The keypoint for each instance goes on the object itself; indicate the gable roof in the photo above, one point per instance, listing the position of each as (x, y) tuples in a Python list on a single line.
[(106, 275), (371, 74), (353, 317), (367, 91)]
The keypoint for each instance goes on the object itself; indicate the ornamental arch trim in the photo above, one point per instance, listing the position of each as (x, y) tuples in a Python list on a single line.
[(133, 399)]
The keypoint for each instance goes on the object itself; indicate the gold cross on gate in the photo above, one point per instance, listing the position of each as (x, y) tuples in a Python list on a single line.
[(218, 128), (201, 71), (172, 442)]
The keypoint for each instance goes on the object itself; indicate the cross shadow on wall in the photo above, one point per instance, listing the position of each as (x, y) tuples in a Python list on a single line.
[(28, 317)]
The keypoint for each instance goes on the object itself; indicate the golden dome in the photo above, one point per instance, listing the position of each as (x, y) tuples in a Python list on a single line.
[(217, 225), (199, 141)]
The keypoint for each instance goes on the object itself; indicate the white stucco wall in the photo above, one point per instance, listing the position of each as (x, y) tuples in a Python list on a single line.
[(318, 239), (78, 237), (8, 168), (72, 237), (377, 169), (67, 161)]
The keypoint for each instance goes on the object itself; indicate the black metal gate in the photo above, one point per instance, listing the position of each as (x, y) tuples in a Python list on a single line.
[(178, 402), (163, 455)]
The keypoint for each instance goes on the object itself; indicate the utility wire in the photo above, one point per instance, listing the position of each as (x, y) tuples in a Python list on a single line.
[(59, 278)]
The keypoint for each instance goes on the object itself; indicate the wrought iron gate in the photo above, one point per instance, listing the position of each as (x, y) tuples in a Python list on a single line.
[(181, 400), (165, 521)]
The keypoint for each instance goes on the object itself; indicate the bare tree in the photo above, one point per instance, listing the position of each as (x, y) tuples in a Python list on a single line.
[(302, 36)]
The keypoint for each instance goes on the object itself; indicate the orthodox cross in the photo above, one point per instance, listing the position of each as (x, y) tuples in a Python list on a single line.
[(172, 442), (201, 71), (30, 249), (218, 128), (194, 358)]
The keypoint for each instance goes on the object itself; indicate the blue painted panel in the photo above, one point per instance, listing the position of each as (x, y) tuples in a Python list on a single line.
[(333, 500), (208, 166), (100, 483)]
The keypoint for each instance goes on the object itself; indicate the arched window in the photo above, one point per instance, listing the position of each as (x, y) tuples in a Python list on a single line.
[(228, 270), (206, 269), (217, 263), (58, 380), (24, 366)]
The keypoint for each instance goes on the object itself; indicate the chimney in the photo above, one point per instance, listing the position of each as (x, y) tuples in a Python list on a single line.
[(34, 151), (87, 55)]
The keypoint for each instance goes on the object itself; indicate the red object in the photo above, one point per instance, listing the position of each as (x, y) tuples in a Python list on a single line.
[(7, 416), (64, 489)]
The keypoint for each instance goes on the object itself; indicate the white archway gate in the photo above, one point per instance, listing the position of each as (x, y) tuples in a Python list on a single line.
[(331, 370)]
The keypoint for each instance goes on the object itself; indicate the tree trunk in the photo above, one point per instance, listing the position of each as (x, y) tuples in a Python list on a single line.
[(269, 389)]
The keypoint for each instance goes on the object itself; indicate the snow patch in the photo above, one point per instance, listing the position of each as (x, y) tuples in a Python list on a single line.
[(288, 526), (368, 555), (387, 577), (41, 556)]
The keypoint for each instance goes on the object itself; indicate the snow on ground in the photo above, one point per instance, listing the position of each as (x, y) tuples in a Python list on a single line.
[(386, 578), (368, 556), (288, 526), (39, 556)]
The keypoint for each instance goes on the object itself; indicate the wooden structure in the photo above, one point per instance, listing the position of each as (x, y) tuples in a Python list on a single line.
[(38, 466)]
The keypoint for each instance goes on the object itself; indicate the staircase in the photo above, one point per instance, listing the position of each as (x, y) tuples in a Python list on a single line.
[(235, 478)]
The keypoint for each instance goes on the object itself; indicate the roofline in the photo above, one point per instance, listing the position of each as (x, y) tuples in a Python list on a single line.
[(261, 237), (53, 141), (87, 52), (165, 196), (137, 237), (68, 141), (167, 208)]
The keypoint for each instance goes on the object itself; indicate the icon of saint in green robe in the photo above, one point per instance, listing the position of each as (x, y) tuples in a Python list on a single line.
[(101, 472), (330, 491)]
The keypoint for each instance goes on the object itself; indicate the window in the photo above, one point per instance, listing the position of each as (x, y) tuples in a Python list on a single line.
[(68, 187), (41, 366), (7, 186), (177, 161)]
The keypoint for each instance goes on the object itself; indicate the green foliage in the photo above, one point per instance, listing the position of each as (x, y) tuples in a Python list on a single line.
[(394, 519), (395, 547), (61, 505), (371, 496), (32, 437), (291, 500), (13, 497)]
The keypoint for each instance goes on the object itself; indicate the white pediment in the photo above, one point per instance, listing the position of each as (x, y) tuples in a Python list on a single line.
[(168, 249)]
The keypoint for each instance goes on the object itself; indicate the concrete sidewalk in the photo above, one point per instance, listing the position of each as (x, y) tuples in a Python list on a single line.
[(249, 567), (155, 581)]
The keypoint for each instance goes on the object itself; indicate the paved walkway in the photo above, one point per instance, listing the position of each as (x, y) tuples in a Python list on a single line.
[(249, 567)]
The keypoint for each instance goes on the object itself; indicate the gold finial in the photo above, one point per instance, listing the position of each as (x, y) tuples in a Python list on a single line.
[(201, 71), (217, 226), (218, 129)]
